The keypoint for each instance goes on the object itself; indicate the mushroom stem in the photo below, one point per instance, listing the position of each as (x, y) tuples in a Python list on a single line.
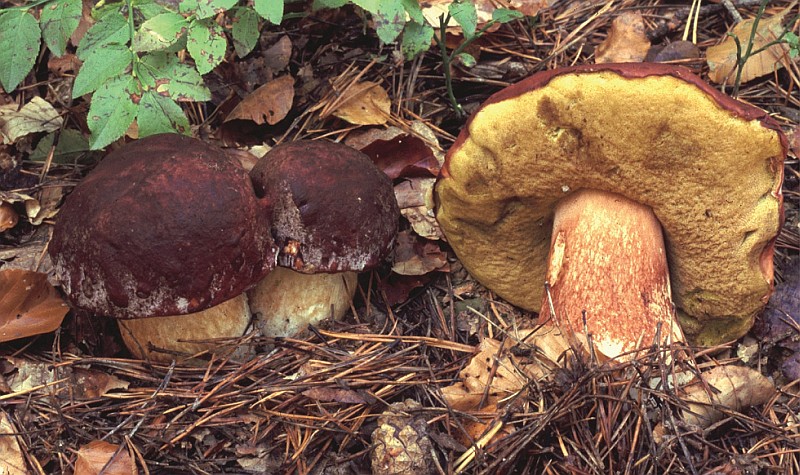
[(608, 260), (286, 302), (188, 334)]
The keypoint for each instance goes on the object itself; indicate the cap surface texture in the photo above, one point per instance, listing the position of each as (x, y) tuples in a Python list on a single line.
[(710, 168), (333, 210), (165, 225)]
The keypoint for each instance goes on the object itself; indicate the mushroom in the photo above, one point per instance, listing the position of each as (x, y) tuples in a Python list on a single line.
[(333, 215), (640, 150), (165, 234)]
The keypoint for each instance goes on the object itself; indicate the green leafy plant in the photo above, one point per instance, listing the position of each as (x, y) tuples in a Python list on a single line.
[(466, 16), (130, 62)]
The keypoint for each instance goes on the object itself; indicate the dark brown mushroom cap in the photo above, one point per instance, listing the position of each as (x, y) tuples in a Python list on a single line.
[(333, 210), (709, 166), (166, 225)]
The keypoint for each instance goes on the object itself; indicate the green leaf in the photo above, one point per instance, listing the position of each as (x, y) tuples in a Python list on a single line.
[(206, 8), (171, 78), (19, 46), (414, 11), (390, 18), (467, 60), (100, 66), (207, 44), (320, 4), (109, 30), (371, 6), (151, 8), (159, 114), (245, 31), (465, 14), (504, 15), (416, 39), (270, 10), (58, 21), (72, 146), (112, 111), (159, 32)]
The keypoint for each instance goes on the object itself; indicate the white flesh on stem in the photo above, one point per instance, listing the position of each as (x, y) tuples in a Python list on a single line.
[(608, 260), (286, 302)]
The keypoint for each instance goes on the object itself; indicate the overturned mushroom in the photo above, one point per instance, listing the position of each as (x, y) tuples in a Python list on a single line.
[(654, 137), (333, 215), (164, 234)]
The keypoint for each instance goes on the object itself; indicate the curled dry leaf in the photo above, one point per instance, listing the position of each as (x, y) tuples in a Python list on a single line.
[(626, 41), (364, 103), (37, 115), (269, 103), (416, 256), (675, 51), (278, 55), (12, 460), (29, 305), (8, 217), (101, 457), (722, 58), (415, 198), (734, 388)]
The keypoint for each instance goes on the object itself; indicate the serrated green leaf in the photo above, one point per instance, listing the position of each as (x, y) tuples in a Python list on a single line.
[(159, 32), (270, 10), (206, 8), (504, 15), (389, 20), (100, 66), (19, 46), (464, 14), (112, 111), (416, 39), (245, 31), (109, 30), (58, 21), (320, 4), (207, 44), (159, 114), (414, 10), (171, 78)]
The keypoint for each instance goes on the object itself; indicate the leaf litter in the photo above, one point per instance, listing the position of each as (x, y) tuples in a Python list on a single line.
[(313, 404)]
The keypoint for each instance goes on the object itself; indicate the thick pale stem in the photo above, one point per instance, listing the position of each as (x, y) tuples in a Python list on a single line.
[(285, 302), (608, 260), (187, 334)]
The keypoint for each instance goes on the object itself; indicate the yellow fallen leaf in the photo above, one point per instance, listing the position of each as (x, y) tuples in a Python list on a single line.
[(626, 41), (99, 456), (365, 103), (722, 58), (269, 103), (29, 305)]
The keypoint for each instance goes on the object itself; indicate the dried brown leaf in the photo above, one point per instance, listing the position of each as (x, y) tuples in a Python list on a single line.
[(415, 198), (731, 387), (722, 58), (365, 103), (626, 41), (8, 217), (403, 156), (100, 457), (343, 396), (12, 460), (278, 55), (29, 305), (269, 103), (417, 256)]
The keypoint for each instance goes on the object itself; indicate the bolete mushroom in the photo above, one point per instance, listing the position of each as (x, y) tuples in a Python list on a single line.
[(619, 143), (333, 215), (165, 234)]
